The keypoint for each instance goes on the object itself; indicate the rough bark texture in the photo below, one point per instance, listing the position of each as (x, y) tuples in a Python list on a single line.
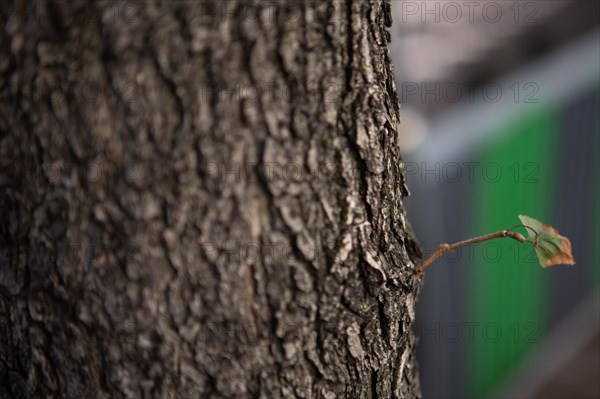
[(202, 200)]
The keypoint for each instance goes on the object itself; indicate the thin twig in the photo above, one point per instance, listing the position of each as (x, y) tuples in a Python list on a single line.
[(443, 248), (537, 236)]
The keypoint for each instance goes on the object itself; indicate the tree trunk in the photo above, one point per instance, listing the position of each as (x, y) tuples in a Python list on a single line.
[(202, 200)]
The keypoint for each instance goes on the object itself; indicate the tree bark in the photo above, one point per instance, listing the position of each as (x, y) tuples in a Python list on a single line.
[(202, 200)]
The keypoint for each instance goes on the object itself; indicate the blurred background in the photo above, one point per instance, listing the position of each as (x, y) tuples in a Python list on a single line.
[(500, 117)]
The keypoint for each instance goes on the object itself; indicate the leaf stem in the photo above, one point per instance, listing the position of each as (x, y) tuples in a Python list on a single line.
[(537, 236), (443, 248)]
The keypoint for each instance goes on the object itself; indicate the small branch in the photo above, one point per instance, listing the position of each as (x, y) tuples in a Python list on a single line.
[(443, 248), (537, 236)]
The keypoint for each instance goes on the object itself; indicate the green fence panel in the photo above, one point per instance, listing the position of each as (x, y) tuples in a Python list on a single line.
[(507, 289)]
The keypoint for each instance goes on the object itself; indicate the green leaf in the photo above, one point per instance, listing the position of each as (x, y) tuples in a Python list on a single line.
[(550, 247)]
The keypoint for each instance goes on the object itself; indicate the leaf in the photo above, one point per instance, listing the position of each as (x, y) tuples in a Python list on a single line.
[(550, 247)]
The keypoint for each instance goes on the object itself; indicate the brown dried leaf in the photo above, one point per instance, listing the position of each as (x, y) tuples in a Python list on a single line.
[(550, 247)]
